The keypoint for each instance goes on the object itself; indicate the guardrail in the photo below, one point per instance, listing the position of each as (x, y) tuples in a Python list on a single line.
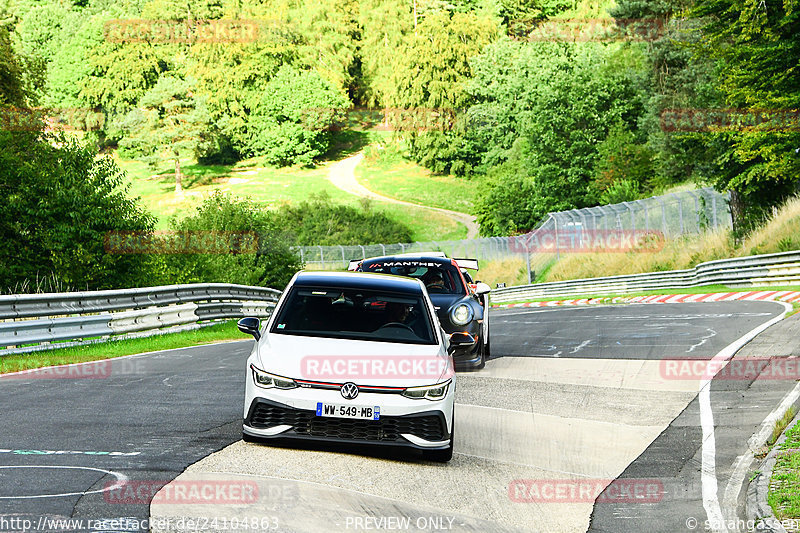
[(757, 270), (33, 322)]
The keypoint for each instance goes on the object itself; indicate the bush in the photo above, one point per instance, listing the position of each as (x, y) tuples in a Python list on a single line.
[(321, 222), (59, 203), (260, 253)]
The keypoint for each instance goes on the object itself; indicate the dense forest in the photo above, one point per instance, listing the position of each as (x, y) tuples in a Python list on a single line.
[(512, 94)]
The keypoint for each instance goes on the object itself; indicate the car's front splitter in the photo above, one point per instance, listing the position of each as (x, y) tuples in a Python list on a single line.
[(272, 420)]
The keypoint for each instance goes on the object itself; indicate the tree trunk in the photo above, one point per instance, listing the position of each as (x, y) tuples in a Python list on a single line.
[(737, 213), (178, 177)]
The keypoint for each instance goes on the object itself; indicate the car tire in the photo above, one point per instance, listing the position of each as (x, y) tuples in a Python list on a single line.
[(442, 456)]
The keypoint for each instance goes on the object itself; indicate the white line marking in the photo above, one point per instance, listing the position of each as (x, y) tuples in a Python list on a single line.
[(581, 345), (703, 340), (708, 470), (121, 478)]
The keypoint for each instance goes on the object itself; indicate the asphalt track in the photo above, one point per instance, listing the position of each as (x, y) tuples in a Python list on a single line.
[(571, 394)]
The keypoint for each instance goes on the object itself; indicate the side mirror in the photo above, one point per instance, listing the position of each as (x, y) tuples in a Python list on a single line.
[(482, 288), (250, 326)]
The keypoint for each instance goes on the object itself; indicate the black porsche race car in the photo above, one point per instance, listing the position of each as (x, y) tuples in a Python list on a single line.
[(462, 306)]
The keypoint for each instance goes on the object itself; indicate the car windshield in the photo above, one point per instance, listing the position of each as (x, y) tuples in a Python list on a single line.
[(355, 314), (438, 278)]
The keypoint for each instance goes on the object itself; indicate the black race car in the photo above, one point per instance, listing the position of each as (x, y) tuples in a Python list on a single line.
[(462, 306)]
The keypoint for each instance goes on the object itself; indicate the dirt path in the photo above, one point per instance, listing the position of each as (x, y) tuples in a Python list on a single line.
[(342, 174)]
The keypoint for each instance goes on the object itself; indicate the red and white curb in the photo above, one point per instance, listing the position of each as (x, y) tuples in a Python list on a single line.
[(782, 296)]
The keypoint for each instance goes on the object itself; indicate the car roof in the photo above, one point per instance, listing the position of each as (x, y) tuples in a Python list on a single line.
[(358, 280)]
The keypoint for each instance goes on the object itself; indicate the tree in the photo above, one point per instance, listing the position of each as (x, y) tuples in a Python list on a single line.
[(624, 168), (291, 123), (170, 123), (428, 82), (329, 38), (755, 45), (59, 206), (12, 92), (121, 73), (548, 106)]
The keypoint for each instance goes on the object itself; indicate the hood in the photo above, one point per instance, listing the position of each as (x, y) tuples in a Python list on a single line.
[(362, 362)]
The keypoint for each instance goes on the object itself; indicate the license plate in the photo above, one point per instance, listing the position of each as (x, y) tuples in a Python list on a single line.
[(362, 412)]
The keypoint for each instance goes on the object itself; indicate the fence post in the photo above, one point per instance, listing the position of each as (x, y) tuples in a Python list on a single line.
[(696, 209), (555, 224), (714, 209), (344, 260)]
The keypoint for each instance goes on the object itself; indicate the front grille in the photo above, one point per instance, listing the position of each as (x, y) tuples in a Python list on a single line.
[(387, 429)]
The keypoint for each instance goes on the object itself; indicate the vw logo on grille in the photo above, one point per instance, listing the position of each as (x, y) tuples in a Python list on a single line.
[(349, 391)]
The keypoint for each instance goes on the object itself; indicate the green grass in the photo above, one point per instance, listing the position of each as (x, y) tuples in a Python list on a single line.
[(425, 225), (704, 289), (784, 487), (268, 185), (118, 348), (407, 181)]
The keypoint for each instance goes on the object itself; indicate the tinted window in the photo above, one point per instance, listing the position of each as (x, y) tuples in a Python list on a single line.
[(355, 314), (438, 278)]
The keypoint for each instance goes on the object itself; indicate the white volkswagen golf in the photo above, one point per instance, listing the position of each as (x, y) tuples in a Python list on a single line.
[(351, 357)]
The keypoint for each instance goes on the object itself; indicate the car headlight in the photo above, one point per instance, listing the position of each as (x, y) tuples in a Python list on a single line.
[(266, 380), (461, 314), (430, 392)]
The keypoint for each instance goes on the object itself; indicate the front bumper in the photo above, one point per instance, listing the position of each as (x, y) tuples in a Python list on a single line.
[(422, 430), (467, 357)]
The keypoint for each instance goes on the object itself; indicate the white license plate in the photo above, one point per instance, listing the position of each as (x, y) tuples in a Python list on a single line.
[(363, 412)]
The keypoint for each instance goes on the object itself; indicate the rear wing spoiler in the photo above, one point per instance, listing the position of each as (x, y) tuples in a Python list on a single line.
[(353, 265), (471, 264)]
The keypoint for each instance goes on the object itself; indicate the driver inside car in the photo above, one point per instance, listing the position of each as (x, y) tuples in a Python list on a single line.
[(396, 312), (434, 281)]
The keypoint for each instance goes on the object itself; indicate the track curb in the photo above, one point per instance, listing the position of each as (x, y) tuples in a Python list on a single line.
[(778, 296)]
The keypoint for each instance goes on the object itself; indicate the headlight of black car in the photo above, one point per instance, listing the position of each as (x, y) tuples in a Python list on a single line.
[(461, 314)]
